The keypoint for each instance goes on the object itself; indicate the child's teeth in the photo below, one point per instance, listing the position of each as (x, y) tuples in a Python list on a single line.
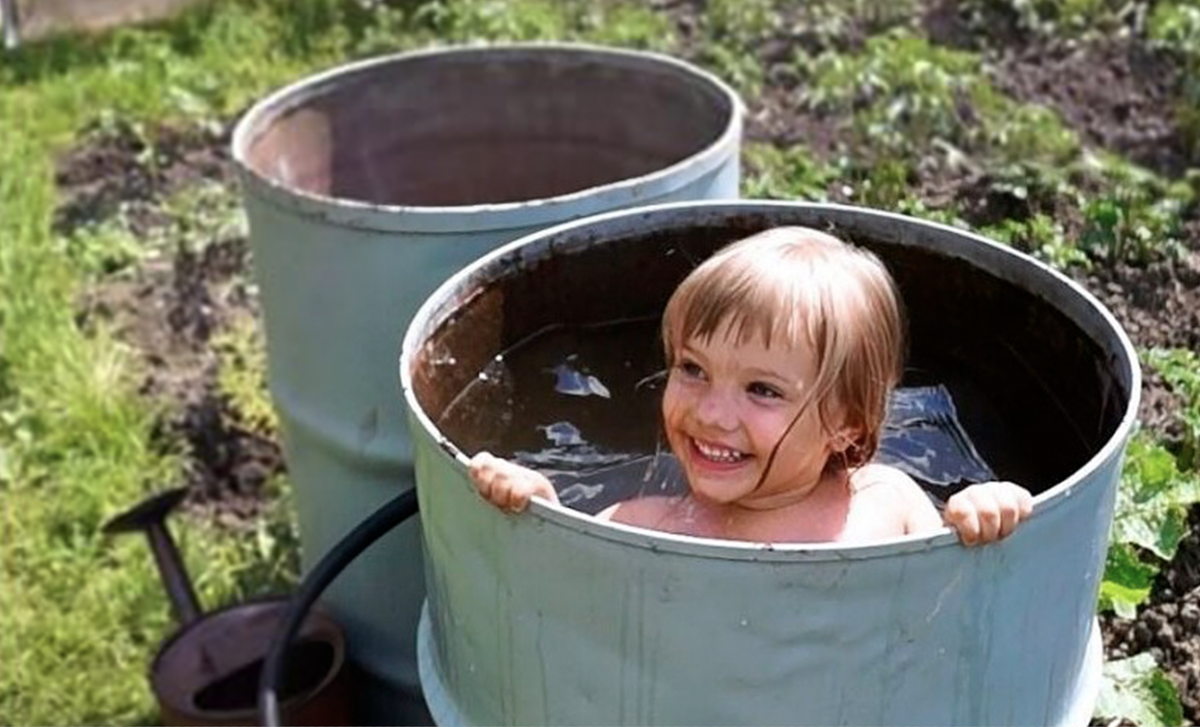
[(717, 453)]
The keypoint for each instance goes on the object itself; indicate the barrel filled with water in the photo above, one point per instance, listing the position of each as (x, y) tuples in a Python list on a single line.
[(546, 351), (368, 185)]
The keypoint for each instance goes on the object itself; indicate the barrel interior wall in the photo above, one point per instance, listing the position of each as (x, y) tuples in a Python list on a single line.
[(1036, 394), (463, 132), (625, 278), (1048, 390)]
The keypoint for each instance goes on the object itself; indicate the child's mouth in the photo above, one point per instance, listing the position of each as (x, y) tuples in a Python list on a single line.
[(716, 454)]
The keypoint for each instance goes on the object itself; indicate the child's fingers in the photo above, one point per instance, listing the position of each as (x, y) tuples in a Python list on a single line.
[(518, 497), (507, 485), (988, 512), (1009, 509), (479, 469), (486, 471), (1015, 504), (962, 516)]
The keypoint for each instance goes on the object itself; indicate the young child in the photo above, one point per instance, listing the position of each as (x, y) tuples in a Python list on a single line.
[(782, 351)]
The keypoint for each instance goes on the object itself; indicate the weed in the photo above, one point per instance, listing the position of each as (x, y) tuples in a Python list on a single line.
[(1174, 27), (202, 213), (495, 20), (1148, 525), (733, 32), (739, 24), (241, 377), (903, 91), (1050, 18), (906, 94), (1180, 368), (1044, 236), (791, 173), (1138, 215), (1135, 690), (102, 248), (630, 25)]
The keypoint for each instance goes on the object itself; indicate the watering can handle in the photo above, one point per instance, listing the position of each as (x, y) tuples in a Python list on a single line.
[(149, 516)]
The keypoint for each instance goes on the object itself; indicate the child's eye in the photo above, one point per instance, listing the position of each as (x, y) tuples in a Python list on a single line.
[(766, 391), (690, 369)]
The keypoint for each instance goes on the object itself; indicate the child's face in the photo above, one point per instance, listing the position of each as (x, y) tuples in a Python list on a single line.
[(725, 407)]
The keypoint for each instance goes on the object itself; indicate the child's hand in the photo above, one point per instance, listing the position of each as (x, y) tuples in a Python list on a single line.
[(987, 512), (506, 485)]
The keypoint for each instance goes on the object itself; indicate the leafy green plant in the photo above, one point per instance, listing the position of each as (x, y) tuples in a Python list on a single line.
[(905, 90), (733, 32), (498, 20), (1149, 522), (785, 173), (255, 558), (1021, 133), (739, 23), (1050, 18), (1044, 236), (200, 214), (1175, 26), (1137, 216), (906, 93), (242, 378), (627, 24), (1180, 368), (102, 248), (1135, 689)]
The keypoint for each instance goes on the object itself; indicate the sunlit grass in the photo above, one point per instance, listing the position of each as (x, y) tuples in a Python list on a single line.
[(82, 614)]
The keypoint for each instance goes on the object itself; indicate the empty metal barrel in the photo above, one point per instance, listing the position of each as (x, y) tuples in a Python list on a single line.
[(367, 186), (552, 617)]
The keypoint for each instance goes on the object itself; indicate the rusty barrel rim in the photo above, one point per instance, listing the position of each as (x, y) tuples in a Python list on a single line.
[(958, 243)]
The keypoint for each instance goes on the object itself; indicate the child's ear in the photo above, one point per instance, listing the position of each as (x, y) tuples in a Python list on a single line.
[(845, 437)]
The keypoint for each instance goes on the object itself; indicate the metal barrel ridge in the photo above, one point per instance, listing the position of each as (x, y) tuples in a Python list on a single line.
[(553, 617), (368, 185)]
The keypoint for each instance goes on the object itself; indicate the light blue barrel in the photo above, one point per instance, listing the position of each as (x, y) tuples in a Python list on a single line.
[(552, 617), (368, 185)]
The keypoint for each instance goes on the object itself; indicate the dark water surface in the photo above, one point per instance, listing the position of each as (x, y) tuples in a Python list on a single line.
[(582, 406)]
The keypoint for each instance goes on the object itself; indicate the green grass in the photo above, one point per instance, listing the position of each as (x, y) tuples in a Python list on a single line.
[(83, 614)]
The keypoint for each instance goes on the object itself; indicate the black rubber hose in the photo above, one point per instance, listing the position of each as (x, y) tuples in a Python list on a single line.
[(335, 561)]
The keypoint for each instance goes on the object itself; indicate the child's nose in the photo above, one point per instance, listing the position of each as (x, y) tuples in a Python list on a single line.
[(716, 409)]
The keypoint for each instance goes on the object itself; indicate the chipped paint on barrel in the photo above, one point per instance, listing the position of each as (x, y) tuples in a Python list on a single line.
[(347, 241), (553, 617)]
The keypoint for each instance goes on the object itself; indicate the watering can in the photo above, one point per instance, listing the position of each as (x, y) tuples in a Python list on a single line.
[(207, 672)]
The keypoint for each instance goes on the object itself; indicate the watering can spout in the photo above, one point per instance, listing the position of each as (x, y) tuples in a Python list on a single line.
[(149, 516)]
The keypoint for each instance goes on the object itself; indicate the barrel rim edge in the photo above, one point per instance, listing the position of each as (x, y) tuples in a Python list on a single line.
[(1113, 447), (487, 216)]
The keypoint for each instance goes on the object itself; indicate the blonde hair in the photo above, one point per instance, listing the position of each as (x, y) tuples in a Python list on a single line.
[(801, 286)]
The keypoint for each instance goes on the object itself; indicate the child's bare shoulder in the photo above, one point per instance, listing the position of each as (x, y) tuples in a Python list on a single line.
[(880, 480), (878, 486)]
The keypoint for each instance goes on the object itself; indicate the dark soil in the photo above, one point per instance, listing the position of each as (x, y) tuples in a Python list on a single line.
[(130, 170), (1116, 95), (170, 308)]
